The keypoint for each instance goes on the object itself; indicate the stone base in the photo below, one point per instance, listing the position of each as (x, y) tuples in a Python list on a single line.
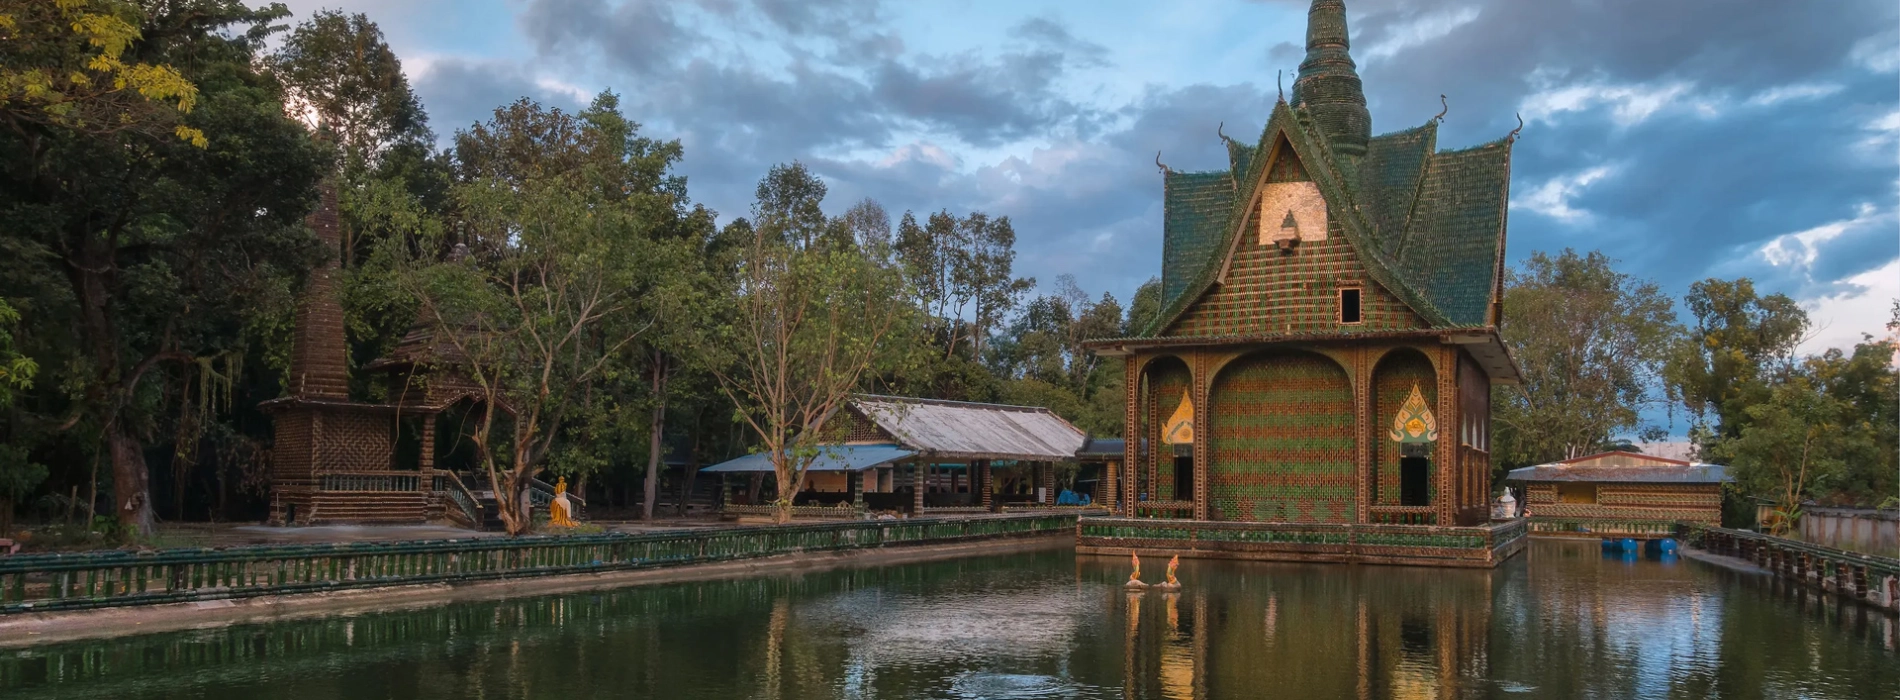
[(1480, 547)]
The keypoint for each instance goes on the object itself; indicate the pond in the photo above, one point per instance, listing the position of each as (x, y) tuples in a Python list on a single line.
[(1559, 621)]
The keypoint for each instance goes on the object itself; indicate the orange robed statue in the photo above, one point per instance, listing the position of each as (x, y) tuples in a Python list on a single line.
[(561, 511), (1134, 579)]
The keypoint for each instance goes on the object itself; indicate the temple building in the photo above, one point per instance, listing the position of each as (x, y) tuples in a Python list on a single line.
[(1619, 493), (1328, 337)]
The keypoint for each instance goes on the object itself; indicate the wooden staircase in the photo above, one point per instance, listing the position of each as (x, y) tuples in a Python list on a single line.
[(378, 507)]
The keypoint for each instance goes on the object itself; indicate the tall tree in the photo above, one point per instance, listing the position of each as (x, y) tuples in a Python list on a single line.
[(1737, 343), (173, 215), (1591, 342), (559, 214), (809, 327)]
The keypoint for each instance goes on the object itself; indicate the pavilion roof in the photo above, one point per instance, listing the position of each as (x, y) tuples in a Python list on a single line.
[(1625, 467), (961, 430)]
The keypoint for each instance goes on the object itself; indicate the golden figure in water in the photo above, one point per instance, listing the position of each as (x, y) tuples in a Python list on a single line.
[(560, 510), (1172, 584), (1134, 578)]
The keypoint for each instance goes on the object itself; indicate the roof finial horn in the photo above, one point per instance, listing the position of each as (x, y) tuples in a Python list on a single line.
[(1220, 131), (1277, 75), (1441, 113), (1164, 168), (1514, 132)]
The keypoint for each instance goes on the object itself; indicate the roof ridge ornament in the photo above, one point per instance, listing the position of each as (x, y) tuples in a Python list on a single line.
[(1218, 131), (1441, 113), (1277, 76), (1158, 164), (1512, 137)]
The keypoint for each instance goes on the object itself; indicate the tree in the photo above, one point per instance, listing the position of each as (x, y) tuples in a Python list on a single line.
[(1738, 342), (809, 323), (67, 70), (340, 74), (1793, 444), (171, 247), (558, 213), (1590, 342)]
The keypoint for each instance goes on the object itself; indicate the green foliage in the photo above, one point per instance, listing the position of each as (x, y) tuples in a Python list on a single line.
[(133, 253), (1736, 343), (565, 257), (814, 321), (340, 74), (1590, 342), (66, 66), (16, 370), (1797, 441)]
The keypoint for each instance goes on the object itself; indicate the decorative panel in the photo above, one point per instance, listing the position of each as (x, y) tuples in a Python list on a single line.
[(1281, 440), (1398, 372)]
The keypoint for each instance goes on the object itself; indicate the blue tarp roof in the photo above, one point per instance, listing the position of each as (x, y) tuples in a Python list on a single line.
[(832, 458)]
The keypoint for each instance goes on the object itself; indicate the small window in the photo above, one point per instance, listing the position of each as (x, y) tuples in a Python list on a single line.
[(1585, 493), (1349, 305)]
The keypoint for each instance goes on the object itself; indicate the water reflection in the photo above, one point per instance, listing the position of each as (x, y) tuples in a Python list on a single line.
[(1562, 621)]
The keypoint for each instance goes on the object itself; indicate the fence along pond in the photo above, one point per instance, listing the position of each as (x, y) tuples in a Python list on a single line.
[(67, 581)]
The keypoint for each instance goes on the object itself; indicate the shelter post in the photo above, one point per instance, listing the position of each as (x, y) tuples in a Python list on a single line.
[(982, 486), (918, 482)]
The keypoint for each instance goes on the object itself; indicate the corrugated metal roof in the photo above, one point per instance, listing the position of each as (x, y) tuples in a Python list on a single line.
[(831, 458), (1684, 474), (962, 430)]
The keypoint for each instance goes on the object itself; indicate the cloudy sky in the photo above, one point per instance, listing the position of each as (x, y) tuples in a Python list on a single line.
[(1686, 138)]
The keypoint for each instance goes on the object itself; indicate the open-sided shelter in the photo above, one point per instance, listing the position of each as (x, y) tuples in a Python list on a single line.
[(925, 456)]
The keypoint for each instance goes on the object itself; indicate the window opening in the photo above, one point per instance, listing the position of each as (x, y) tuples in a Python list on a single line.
[(1349, 305), (1414, 482)]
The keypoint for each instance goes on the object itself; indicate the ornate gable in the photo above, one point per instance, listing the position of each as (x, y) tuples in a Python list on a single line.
[(1288, 267)]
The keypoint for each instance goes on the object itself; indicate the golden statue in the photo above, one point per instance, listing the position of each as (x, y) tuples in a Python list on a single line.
[(560, 511), (1134, 579), (1171, 584)]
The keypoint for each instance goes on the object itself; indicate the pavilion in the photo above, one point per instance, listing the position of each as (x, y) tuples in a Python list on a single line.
[(1619, 493), (920, 456)]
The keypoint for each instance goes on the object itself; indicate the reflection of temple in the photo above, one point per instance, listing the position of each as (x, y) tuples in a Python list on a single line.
[(1329, 332), (1403, 634)]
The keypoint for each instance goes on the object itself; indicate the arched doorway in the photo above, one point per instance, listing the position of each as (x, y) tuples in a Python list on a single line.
[(1404, 468), (1281, 444), (1169, 384)]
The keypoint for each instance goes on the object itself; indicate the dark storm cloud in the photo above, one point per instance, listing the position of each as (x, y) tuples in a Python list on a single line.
[(1683, 137), (641, 36), (1711, 128), (460, 92)]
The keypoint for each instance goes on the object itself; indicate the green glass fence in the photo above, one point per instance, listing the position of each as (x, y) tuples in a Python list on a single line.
[(36, 582)]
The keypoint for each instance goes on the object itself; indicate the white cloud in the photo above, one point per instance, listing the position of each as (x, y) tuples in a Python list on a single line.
[(1419, 31), (1553, 198), (1840, 319), (1628, 105), (1800, 249), (1879, 53), (1792, 92)]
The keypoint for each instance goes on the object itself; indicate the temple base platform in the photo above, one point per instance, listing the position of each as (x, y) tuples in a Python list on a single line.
[(1477, 547)]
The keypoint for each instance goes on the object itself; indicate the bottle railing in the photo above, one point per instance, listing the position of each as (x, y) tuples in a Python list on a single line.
[(37, 582), (369, 482), (1871, 579)]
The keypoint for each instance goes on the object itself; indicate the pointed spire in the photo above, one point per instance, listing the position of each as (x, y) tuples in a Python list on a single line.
[(1329, 85)]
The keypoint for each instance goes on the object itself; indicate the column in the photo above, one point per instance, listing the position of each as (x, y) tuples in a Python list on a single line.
[(982, 480), (1111, 491), (1131, 436), (426, 473), (1198, 365), (1046, 478), (1445, 453), (855, 482), (1365, 433), (917, 489)]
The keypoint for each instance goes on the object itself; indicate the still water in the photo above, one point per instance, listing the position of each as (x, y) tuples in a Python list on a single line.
[(1560, 621)]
